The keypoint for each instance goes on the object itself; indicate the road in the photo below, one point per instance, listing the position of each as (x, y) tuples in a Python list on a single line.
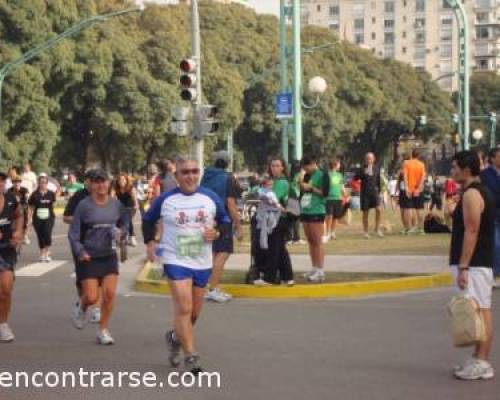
[(393, 347)]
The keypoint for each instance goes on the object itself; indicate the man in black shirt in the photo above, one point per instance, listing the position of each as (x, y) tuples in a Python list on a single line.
[(370, 193), (69, 211), (471, 254)]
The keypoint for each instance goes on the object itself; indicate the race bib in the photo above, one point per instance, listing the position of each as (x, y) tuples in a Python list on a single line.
[(306, 200), (189, 245), (42, 213)]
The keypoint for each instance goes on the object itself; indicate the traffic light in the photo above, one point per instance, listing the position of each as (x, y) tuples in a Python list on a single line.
[(455, 118), (421, 120), (180, 117), (208, 119), (188, 80)]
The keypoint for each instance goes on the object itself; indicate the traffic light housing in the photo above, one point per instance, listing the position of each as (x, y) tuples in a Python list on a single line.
[(208, 119), (180, 123), (188, 79)]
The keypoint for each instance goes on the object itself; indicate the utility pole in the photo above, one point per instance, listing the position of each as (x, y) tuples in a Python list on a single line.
[(198, 142), (297, 81), (284, 75)]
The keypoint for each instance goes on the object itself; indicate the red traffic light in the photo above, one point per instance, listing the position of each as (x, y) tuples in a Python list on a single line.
[(188, 65)]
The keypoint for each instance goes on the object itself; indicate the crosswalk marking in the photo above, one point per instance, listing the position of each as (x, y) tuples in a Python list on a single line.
[(39, 268)]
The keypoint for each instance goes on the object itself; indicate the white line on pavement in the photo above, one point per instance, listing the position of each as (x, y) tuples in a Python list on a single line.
[(39, 268)]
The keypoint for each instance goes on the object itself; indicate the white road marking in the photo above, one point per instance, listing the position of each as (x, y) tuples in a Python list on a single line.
[(39, 268)]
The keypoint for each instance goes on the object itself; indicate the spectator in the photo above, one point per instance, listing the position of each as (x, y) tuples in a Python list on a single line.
[(30, 180), (125, 193), (414, 178), (334, 204), (72, 186), (165, 180), (437, 193)]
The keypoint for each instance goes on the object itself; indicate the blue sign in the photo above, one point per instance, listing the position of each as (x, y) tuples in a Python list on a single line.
[(284, 105)]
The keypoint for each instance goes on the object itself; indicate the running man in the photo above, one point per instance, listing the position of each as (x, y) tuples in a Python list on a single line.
[(471, 255), (97, 225), (69, 211), (11, 235), (189, 217)]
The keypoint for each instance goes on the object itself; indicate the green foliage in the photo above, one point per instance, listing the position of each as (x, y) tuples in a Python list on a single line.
[(107, 92)]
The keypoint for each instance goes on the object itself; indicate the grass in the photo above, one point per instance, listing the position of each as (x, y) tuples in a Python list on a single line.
[(351, 242), (235, 277)]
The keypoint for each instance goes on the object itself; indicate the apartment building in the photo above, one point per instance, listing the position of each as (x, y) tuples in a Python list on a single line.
[(422, 33)]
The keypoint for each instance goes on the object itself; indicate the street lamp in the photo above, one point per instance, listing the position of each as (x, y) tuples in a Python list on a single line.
[(316, 86), (477, 135), (29, 55)]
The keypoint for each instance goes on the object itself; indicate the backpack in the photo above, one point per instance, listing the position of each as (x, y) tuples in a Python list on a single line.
[(215, 179)]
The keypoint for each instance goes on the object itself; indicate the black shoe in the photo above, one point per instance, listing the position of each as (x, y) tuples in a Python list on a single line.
[(174, 349)]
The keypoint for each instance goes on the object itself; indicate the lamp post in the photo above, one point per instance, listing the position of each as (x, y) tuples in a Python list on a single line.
[(29, 55), (283, 75), (297, 81)]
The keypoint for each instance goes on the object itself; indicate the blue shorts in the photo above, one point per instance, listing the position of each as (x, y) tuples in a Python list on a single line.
[(199, 277)]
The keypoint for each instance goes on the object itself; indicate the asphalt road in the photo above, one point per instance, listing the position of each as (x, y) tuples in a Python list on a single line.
[(394, 347)]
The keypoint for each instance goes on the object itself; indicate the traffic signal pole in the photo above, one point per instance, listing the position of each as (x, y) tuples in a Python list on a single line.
[(283, 76), (297, 81), (198, 142)]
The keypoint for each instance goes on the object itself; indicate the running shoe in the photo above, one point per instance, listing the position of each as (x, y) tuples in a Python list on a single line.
[(27, 240), (478, 369), (366, 236), (306, 275), (48, 258), (132, 241), (380, 234), (325, 239), (104, 337), (333, 236), (218, 296), (6, 334), (317, 277), (41, 259), (79, 317), (289, 283), (174, 349), (404, 231), (192, 364), (95, 315), (460, 367), (413, 231), (261, 282)]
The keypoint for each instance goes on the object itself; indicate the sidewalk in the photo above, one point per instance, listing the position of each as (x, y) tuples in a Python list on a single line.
[(353, 263)]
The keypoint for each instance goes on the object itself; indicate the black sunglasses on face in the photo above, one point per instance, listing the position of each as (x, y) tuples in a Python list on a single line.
[(193, 171)]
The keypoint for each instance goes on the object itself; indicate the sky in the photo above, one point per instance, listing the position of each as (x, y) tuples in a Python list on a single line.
[(266, 6)]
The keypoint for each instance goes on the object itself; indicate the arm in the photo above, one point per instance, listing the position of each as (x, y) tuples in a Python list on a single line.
[(149, 221), (422, 182), (405, 179), (17, 235), (473, 206), (74, 236), (232, 207)]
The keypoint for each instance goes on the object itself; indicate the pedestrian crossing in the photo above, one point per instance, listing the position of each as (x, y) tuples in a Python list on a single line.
[(39, 268)]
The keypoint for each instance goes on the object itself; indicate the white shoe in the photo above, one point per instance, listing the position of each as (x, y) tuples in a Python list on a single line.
[(479, 369), (366, 236), (104, 338), (217, 296), (261, 282), (306, 275), (380, 234), (413, 230), (288, 283), (132, 241), (460, 367), (333, 236), (317, 277), (79, 317), (95, 315), (42, 259), (325, 239), (26, 240), (48, 258), (6, 334)]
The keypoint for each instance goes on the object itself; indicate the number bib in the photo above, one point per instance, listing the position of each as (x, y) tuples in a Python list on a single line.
[(43, 213), (189, 245), (306, 200)]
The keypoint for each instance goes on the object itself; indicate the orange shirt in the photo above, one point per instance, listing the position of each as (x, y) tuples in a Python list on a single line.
[(414, 172)]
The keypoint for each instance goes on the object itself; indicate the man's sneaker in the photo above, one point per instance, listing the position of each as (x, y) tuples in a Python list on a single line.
[(325, 239), (366, 236), (95, 315), (413, 230), (333, 236), (421, 232), (6, 334), (48, 258), (79, 317), (261, 282), (306, 275), (174, 349), (479, 369), (380, 234), (288, 283), (217, 296), (317, 277), (42, 259), (132, 241), (192, 364), (460, 367), (104, 338), (26, 240), (404, 231)]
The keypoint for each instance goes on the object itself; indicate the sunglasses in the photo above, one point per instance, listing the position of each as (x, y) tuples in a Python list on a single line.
[(193, 171)]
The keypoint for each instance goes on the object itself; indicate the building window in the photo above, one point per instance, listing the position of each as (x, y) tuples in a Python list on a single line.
[(404, 18), (389, 38), (374, 36), (482, 17), (389, 7), (374, 20), (389, 52), (420, 6), (389, 24), (482, 32), (359, 24), (359, 38), (420, 53), (420, 37), (404, 50), (445, 4), (447, 21), (485, 3), (318, 8), (405, 3), (358, 9), (334, 11), (445, 50), (482, 65), (404, 35), (419, 23), (446, 35)]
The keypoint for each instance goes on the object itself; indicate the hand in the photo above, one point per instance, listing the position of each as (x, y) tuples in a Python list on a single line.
[(84, 257), (408, 194), (16, 240), (150, 249), (417, 193), (463, 279), (210, 234), (238, 230)]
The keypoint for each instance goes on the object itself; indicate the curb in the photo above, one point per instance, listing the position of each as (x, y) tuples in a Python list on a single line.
[(321, 291)]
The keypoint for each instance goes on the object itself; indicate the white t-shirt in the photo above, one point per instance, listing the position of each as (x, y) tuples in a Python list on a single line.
[(29, 181)]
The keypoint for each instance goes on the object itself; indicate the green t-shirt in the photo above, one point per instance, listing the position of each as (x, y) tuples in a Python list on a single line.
[(72, 188), (336, 185), (312, 203), (281, 187)]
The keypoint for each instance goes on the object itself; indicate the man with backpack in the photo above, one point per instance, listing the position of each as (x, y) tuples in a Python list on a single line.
[(222, 183)]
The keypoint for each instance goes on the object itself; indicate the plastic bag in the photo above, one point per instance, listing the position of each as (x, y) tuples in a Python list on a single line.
[(467, 325)]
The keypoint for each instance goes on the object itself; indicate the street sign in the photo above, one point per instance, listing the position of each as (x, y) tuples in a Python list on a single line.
[(284, 106)]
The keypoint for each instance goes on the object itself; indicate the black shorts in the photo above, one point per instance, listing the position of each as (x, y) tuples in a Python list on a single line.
[(369, 201), (97, 268), (225, 243), (9, 259), (318, 218), (334, 208), (412, 203)]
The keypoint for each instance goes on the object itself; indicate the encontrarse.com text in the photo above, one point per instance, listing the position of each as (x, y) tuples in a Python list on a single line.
[(99, 379)]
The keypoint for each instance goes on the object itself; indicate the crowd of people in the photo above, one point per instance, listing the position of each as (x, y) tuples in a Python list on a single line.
[(190, 220)]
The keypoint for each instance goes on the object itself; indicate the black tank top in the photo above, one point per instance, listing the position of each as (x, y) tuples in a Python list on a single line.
[(483, 253), (7, 217)]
